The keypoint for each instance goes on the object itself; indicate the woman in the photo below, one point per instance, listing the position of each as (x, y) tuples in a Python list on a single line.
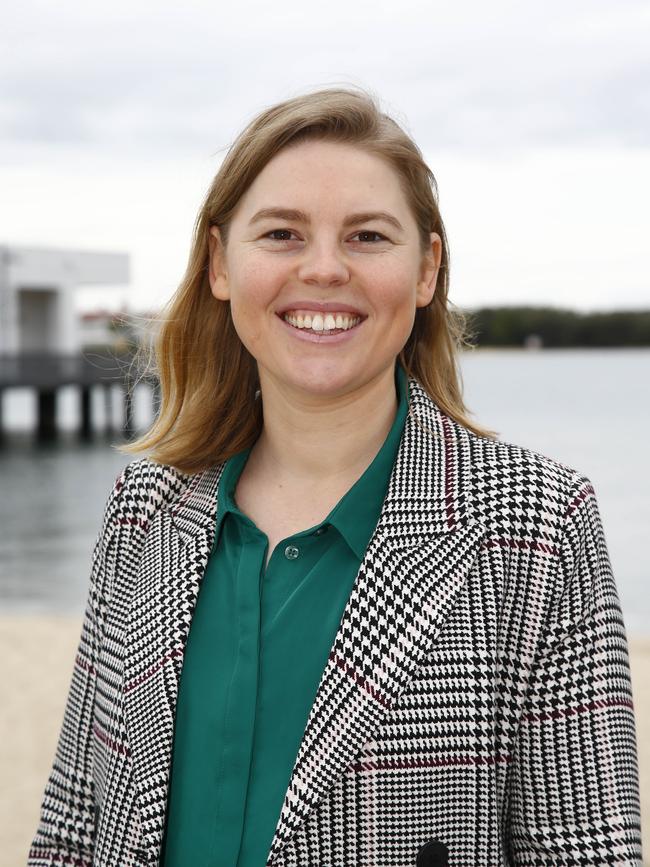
[(407, 647)]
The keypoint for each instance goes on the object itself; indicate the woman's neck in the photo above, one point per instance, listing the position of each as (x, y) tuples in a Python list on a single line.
[(309, 442)]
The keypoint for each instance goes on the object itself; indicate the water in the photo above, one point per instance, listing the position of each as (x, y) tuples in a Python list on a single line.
[(589, 409)]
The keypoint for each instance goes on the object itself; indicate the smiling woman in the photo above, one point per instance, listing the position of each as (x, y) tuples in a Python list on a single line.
[(332, 621), (287, 273)]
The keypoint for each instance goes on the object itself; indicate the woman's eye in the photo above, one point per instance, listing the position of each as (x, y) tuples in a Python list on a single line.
[(364, 236), (285, 232)]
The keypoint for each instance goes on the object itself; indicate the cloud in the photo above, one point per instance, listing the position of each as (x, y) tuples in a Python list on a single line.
[(144, 78)]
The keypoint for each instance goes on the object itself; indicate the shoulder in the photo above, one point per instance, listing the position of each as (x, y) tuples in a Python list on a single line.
[(505, 464), (141, 489), (139, 492), (517, 489), (522, 497)]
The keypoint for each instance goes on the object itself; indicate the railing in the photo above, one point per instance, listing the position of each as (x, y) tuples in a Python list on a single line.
[(51, 370)]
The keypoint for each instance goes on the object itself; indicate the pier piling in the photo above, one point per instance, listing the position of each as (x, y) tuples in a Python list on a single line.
[(85, 413), (46, 424)]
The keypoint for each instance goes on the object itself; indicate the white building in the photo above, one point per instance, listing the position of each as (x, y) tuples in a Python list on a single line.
[(37, 285)]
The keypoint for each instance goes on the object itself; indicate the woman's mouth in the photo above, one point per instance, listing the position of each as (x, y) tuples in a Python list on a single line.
[(322, 324)]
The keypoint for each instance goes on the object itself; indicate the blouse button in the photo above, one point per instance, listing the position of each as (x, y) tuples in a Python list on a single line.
[(320, 531), (291, 552)]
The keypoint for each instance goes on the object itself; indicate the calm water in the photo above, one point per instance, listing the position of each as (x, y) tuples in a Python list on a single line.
[(588, 409)]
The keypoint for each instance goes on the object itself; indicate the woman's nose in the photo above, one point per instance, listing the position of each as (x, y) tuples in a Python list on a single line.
[(324, 264)]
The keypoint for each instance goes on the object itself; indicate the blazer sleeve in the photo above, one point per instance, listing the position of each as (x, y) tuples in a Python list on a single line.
[(574, 786), (66, 831)]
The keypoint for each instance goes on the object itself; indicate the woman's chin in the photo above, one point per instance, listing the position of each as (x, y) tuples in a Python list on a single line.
[(324, 381), (330, 389)]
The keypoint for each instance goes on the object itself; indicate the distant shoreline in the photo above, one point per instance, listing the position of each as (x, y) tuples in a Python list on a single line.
[(513, 347), (537, 327)]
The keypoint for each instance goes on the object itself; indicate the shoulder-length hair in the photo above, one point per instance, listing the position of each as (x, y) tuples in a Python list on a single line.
[(208, 379)]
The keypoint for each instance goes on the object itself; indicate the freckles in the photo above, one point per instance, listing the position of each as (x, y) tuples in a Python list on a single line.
[(246, 323), (255, 271), (393, 291), (391, 276), (256, 285)]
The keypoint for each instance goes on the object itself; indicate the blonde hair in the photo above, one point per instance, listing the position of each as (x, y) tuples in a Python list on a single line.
[(208, 379)]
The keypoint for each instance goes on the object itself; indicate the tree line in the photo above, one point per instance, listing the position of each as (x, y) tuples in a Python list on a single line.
[(556, 327)]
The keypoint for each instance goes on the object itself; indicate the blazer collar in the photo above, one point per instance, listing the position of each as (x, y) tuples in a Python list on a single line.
[(428, 489), (417, 560)]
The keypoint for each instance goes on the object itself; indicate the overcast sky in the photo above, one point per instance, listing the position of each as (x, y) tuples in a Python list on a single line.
[(534, 117)]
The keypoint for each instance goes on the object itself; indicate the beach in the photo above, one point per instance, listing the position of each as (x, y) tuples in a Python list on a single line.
[(36, 657)]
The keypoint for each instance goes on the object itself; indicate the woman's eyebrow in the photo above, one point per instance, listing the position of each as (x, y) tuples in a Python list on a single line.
[(289, 214), (294, 215), (370, 216)]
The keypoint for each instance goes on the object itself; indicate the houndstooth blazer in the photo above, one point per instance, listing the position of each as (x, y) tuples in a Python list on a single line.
[(477, 691)]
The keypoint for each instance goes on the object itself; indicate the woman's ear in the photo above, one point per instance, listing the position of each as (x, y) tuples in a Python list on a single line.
[(429, 272), (217, 273)]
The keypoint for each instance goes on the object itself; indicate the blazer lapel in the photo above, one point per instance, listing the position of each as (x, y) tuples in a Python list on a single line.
[(418, 559), (169, 576)]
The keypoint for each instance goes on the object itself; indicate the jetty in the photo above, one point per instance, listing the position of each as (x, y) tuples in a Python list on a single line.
[(40, 338)]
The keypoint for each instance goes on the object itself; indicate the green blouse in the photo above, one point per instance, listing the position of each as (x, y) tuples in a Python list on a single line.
[(256, 650)]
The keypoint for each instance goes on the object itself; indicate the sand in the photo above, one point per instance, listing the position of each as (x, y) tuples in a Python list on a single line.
[(36, 655)]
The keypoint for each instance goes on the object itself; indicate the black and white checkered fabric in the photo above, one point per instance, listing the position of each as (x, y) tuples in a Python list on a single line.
[(477, 691)]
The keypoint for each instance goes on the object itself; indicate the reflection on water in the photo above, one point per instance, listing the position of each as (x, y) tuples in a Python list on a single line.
[(588, 409)]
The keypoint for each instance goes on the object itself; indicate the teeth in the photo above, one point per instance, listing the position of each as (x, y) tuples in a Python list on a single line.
[(319, 323)]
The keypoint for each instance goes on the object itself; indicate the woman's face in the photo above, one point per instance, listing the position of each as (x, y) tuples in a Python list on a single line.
[(323, 270)]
